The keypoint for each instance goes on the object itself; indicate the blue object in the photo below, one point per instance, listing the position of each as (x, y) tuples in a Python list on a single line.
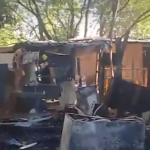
[(3, 80), (51, 91), (28, 100), (95, 133)]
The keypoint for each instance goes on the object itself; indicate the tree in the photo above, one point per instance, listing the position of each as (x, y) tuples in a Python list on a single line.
[(128, 16), (6, 16), (118, 18), (86, 17), (46, 19), (53, 18), (61, 19), (10, 25), (141, 30)]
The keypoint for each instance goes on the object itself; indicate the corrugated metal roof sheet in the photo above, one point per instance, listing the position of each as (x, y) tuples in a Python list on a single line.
[(75, 41), (139, 41), (101, 38)]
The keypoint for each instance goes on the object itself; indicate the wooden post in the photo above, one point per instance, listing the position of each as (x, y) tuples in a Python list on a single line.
[(79, 71), (132, 70), (101, 81)]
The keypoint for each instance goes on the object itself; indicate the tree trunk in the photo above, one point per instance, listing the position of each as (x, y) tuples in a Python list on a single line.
[(86, 17), (41, 32), (115, 5)]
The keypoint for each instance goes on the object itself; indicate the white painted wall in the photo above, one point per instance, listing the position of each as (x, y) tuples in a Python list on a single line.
[(6, 58)]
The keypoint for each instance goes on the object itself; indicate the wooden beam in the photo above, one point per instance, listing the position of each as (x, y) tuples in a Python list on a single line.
[(88, 38), (6, 49)]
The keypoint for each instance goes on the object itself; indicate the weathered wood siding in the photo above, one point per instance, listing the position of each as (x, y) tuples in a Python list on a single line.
[(132, 60)]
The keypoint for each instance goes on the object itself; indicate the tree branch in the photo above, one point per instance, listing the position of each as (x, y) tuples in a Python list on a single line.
[(115, 5), (86, 17), (50, 22), (144, 18), (33, 28), (80, 19), (30, 5), (140, 18), (38, 15), (71, 20), (61, 22), (124, 6), (102, 22), (126, 37), (36, 7), (18, 1), (93, 28)]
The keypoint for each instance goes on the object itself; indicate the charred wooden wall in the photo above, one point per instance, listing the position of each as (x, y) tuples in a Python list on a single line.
[(133, 68), (133, 60), (133, 63), (88, 67)]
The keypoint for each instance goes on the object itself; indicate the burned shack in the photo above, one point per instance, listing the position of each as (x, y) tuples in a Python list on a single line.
[(85, 53), (81, 130), (135, 66), (54, 50)]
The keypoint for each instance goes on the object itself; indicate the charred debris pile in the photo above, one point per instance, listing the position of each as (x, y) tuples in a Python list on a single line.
[(95, 121)]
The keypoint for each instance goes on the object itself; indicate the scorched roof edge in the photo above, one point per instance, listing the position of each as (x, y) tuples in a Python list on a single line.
[(53, 44)]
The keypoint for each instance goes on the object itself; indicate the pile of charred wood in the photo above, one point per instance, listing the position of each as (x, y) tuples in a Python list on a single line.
[(87, 120)]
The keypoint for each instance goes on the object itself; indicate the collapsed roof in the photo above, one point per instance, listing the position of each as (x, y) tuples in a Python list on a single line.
[(67, 47)]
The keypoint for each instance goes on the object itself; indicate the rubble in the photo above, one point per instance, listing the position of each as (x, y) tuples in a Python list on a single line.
[(84, 132), (43, 132)]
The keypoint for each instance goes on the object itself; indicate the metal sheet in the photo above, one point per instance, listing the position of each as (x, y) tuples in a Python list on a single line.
[(3, 78), (68, 94), (51, 91), (127, 96), (94, 133), (87, 98), (27, 100), (29, 57)]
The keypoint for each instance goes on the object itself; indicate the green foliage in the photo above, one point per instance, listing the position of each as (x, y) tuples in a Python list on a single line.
[(128, 15), (6, 16), (125, 18), (142, 30), (61, 19), (8, 36), (61, 13)]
